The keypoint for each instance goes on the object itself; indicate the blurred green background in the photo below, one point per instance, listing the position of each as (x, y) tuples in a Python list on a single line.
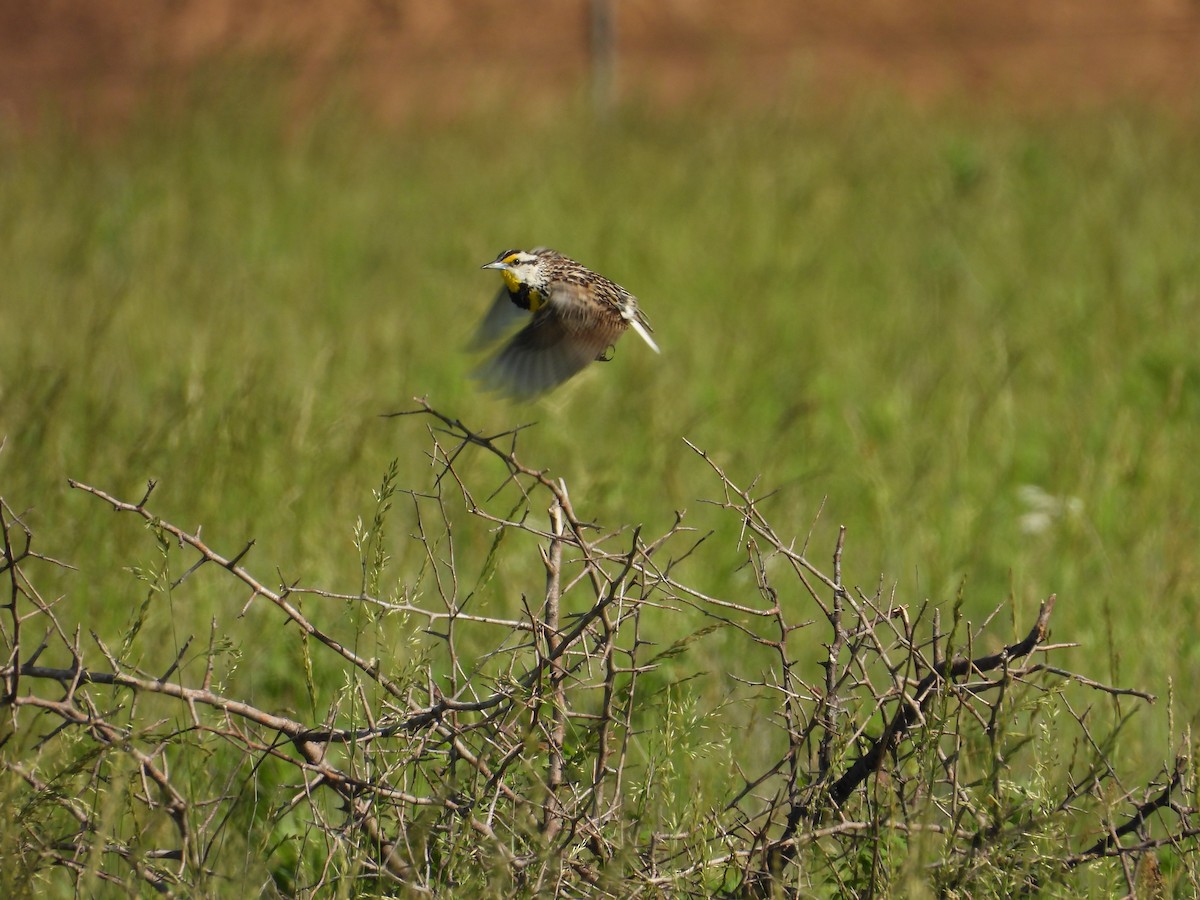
[(971, 338), (967, 332)]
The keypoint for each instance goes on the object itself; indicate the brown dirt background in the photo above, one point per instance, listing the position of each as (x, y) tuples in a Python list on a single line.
[(92, 61)]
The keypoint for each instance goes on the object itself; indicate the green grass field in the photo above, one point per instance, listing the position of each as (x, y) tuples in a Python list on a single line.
[(971, 338)]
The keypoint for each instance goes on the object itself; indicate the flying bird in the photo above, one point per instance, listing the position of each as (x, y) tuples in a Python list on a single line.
[(577, 317)]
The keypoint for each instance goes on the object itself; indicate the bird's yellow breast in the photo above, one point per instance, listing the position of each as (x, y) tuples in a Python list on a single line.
[(511, 281), (522, 292)]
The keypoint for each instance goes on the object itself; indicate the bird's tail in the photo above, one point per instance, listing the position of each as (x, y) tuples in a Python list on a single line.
[(638, 323)]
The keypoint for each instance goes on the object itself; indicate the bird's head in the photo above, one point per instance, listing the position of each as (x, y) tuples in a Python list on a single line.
[(520, 269)]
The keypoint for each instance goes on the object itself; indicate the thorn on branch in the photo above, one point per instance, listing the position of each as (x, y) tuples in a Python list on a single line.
[(909, 713), (151, 484), (1112, 842), (237, 559)]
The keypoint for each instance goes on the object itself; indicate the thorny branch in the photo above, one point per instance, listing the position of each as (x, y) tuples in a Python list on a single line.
[(537, 754)]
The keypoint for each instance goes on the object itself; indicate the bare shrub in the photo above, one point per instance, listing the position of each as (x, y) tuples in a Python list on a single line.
[(912, 756)]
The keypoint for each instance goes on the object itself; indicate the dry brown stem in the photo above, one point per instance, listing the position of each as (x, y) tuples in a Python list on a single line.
[(527, 761)]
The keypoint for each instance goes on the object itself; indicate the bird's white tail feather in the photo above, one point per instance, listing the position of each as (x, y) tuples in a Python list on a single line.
[(644, 334)]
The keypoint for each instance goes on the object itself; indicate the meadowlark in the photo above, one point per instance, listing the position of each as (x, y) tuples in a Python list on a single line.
[(577, 317)]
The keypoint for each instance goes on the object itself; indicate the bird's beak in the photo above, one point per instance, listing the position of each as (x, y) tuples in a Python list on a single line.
[(498, 264)]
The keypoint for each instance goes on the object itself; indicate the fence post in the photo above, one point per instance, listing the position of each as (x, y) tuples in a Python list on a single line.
[(602, 37)]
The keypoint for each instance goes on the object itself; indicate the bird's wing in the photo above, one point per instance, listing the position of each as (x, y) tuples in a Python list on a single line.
[(501, 318), (542, 355), (585, 314), (616, 310)]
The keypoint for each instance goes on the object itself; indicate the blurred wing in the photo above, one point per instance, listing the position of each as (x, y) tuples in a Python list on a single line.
[(501, 318), (542, 355)]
